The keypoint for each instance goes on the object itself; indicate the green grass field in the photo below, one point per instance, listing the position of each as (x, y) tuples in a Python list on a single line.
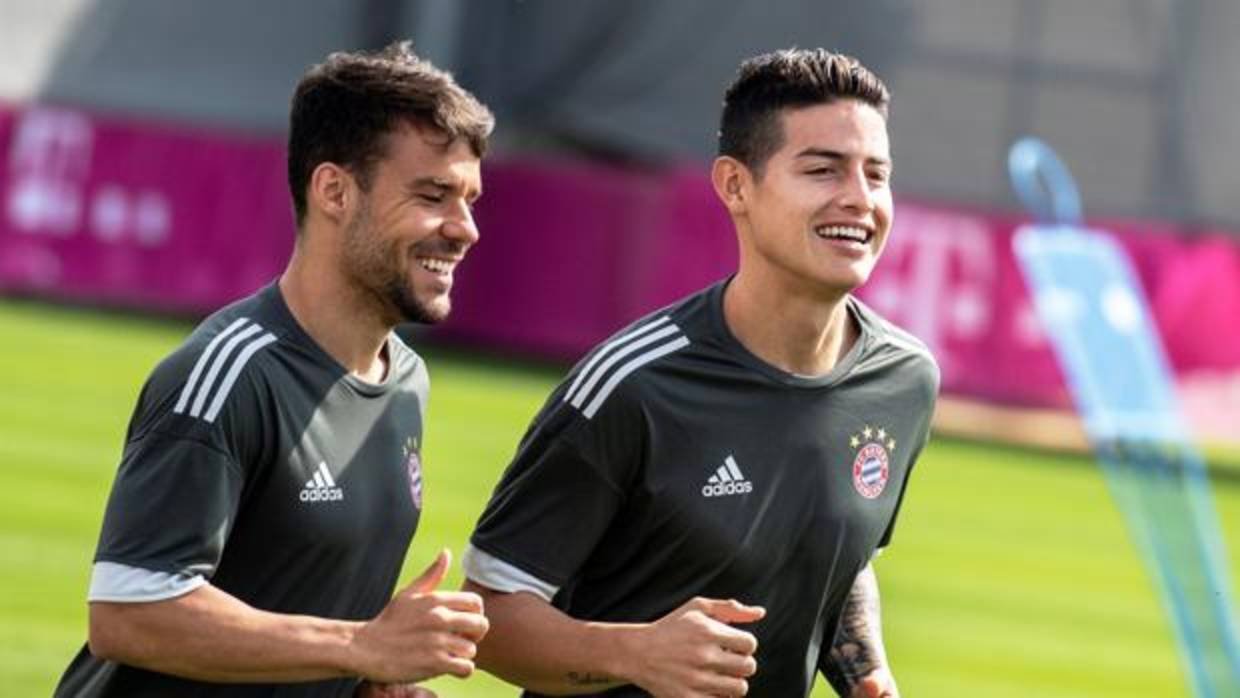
[(1011, 575)]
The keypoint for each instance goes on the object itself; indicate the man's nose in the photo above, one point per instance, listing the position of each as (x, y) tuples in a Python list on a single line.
[(856, 193), (461, 225)]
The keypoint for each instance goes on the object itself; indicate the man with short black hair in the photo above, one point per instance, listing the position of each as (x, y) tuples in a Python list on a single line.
[(271, 477), (750, 442)]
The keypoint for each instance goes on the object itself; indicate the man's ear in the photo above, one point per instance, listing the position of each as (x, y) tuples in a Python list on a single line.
[(733, 183), (331, 191)]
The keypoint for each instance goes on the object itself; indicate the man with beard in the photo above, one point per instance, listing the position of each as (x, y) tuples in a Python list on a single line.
[(694, 511), (271, 477)]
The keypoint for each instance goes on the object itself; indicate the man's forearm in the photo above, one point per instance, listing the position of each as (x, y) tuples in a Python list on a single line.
[(569, 656), (209, 635), (857, 649)]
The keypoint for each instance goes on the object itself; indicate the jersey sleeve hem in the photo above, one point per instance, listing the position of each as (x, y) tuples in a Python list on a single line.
[(495, 573), (117, 582)]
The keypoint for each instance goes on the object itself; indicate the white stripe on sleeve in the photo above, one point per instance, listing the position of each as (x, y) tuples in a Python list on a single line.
[(608, 349), (112, 581), (188, 390), (580, 398), (222, 393), (631, 366), (493, 573), (216, 366)]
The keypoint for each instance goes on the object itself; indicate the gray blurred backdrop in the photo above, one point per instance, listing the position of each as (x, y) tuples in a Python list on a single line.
[(1139, 96)]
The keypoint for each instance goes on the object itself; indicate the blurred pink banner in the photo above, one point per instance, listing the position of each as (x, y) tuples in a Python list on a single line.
[(105, 211), (135, 214)]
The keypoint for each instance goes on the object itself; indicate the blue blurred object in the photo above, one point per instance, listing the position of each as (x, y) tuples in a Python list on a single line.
[(1091, 306)]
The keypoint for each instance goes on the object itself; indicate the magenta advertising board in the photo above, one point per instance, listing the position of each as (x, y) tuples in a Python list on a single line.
[(111, 212), (169, 218)]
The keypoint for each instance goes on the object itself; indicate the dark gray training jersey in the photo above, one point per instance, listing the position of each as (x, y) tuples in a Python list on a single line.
[(255, 461), (672, 463)]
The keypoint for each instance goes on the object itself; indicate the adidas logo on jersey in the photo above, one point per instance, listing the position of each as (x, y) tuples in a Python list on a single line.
[(726, 481), (322, 487)]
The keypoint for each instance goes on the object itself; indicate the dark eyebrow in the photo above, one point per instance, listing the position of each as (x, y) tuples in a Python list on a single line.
[(829, 154), (436, 182)]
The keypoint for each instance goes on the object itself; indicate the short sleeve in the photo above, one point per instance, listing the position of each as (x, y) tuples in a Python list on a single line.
[(181, 477), (562, 490), (171, 507)]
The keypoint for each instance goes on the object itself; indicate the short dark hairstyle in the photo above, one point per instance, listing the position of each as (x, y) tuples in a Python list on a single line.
[(750, 130), (345, 107)]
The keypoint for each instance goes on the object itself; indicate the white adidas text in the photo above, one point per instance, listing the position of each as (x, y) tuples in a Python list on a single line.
[(724, 489), (322, 494)]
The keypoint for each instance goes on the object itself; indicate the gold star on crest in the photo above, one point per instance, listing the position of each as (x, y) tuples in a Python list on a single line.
[(867, 432), (882, 433), (854, 442), (891, 444)]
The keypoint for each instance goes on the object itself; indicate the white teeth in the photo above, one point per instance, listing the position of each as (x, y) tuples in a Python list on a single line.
[(437, 266), (843, 232)]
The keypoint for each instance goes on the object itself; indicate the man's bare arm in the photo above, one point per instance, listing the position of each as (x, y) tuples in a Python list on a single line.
[(210, 635), (692, 651), (856, 664)]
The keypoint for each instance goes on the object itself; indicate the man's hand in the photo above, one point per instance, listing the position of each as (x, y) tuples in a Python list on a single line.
[(877, 684), (391, 690), (422, 633), (694, 652)]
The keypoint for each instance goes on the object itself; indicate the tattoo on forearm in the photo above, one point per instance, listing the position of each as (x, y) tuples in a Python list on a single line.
[(585, 678), (858, 647)]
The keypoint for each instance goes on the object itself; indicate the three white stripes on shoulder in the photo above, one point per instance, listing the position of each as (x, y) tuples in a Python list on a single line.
[(240, 347), (244, 338), (658, 338)]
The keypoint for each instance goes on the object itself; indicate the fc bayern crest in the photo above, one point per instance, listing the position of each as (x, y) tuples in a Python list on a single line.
[(870, 468)]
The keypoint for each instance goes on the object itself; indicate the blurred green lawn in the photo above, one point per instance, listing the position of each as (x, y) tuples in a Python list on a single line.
[(1010, 577)]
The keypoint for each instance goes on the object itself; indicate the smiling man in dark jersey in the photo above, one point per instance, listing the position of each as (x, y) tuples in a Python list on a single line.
[(271, 477), (695, 509)]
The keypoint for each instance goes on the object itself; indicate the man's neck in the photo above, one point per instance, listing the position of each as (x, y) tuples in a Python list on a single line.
[(789, 327), (341, 318)]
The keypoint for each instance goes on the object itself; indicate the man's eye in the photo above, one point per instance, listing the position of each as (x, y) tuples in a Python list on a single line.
[(431, 198)]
